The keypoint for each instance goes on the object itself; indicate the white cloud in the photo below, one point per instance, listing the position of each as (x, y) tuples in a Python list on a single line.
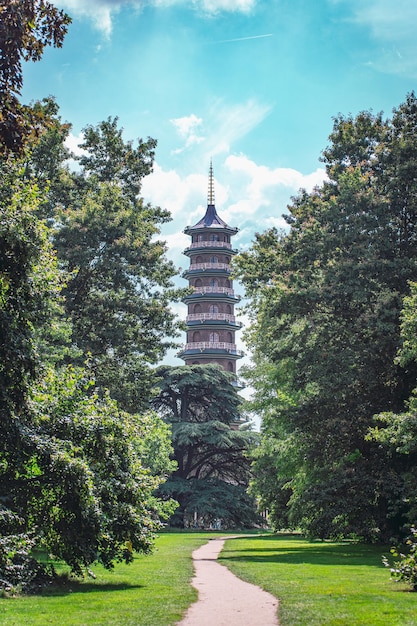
[(265, 192), (387, 21), (250, 196), (167, 189), (392, 26), (73, 142), (214, 6), (232, 122), (223, 125), (186, 128), (101, 12)]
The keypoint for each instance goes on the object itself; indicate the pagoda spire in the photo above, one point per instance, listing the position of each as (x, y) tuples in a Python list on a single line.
[(210, 199)]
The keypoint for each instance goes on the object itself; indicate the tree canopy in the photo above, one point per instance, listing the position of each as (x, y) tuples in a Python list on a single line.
[(119, 287), (26, 28), (85, 293), (326, 300), (211, 450)]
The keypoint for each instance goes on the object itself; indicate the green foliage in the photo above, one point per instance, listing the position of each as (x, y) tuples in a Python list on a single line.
[(77, 472), (19, 570), (119, 285), (82, 486), (78, 475), (405, 569), (26, 28), (29, 288), (326, 302), (211, 451)]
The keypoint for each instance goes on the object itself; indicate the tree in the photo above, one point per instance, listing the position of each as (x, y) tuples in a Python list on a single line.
[(29, 286), (77, 474), (26, 28), (211, 451), (396, 433), (119, 287), (326, 303)]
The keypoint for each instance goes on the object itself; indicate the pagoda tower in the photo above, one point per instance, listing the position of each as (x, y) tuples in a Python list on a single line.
[(211, 322)]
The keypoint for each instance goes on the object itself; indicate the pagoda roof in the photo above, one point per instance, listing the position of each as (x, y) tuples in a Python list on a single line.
[(211, 218)]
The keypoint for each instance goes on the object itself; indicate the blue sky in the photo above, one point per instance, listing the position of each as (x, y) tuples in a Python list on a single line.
[(253, 84)]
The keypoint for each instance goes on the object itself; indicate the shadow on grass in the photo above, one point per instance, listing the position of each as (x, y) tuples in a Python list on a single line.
[(62, 588), (316, 553)]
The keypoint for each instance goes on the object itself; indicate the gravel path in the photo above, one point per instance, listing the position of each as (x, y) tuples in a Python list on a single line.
[(223, 598)]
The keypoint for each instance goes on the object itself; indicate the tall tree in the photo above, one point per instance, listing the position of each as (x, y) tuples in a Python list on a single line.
[(120, 288), (211, 451), (327, 329), (77, 474)]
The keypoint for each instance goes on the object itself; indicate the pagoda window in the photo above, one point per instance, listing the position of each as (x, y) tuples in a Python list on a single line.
[(214, 308), (214, 337), (214, 259), (230, 366), (228, 309), (200, 238), (214, 238), (214, 282), (197, 308), (198, 283), (199, 259), (196, 336), (229, 338)]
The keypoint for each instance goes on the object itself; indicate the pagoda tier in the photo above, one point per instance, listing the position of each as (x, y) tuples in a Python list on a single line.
[(211, 321)]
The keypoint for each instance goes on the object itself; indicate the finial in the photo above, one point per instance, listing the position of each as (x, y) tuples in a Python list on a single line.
[(211, 186)]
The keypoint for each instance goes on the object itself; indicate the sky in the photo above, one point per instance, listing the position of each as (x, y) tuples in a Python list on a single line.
[(253, 85)]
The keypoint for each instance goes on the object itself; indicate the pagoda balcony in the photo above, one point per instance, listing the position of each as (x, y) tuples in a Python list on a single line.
[(210, 244), (227, 290), (213, 317), (201, 267), (203, 346), (226, 294)]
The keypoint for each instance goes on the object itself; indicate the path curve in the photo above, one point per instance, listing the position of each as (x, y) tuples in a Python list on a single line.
[(223, 598)]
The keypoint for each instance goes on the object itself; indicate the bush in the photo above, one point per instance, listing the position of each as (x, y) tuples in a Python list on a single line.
[(19, 571), (405, 569)]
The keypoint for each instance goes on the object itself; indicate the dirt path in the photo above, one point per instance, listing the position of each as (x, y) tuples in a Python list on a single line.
[(223, 598)]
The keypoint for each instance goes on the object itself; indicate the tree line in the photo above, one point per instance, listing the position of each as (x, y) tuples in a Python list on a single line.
[(333, 304), (87, 441)]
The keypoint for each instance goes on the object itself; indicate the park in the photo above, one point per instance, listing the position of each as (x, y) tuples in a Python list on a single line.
[(136, 490), (316, 583)]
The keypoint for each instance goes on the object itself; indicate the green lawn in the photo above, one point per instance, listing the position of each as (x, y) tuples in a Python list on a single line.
[(321, 583), (318, 584), (152, 591)]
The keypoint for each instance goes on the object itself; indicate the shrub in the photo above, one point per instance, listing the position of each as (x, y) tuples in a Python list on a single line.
[(19, 571), (405, 568)]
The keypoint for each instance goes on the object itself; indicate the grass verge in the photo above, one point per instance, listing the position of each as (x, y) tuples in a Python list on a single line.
[(153, 591), (322, 583)]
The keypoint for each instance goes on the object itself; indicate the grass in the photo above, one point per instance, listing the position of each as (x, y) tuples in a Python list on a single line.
[(317, 583), (152, 591), (323, 583)]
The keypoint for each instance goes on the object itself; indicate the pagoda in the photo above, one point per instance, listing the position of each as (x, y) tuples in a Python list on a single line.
[(211, 322)]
